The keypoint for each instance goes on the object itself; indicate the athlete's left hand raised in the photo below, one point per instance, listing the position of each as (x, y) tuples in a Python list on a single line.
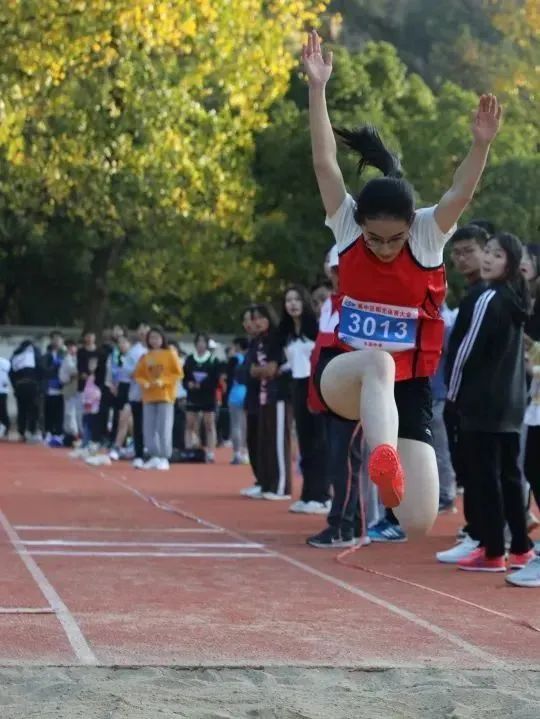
[(487, 119)]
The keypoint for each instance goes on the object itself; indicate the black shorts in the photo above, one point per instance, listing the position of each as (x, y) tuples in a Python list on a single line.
[(413, 400), (122, 396), (200, 407)]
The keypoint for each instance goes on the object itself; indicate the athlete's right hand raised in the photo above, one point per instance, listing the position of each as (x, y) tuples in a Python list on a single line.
[(317, 67)]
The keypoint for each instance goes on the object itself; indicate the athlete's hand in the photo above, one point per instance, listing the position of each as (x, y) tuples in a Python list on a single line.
[(487, 119), (317, 67)]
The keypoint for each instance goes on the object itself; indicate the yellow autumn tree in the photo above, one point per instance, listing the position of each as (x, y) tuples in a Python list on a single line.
[(133, 121)]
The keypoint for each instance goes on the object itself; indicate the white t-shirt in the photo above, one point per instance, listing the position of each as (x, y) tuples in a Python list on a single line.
[(298, 353), (329, 319), (426, 239), (5, 366)]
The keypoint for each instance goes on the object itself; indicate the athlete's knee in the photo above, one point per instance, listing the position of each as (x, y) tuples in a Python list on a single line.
[(380, 365)]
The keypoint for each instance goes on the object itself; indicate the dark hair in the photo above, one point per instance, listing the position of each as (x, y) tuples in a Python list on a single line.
[(71, 342), (56, 333), (241, 342), (323, 283), (308, 321), (159, 331), (486, 225), (266, 311), (201, 336), (470, 232), (513, 249), (249, 309), (388, 196)]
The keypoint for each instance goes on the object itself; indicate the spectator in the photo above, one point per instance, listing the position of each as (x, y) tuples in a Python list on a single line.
[(4, 389), (447, 475), (274, 441), (179, 424), (158, 373), (201, 377), (54, 399), (25, 376), (118, 382), (91, 398), (487, 382), (466, 252), (251, 404), (236, 396), (68, 375), (134, 354), (297, 333)]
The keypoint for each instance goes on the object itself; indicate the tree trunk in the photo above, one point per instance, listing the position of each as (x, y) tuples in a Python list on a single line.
[(104, 260)]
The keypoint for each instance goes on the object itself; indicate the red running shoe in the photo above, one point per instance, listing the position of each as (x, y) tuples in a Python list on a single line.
[(386, 472), (478, 562), (518, 561)]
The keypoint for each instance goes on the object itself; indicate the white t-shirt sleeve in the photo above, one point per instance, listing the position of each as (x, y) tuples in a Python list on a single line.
[(427, 240), (343, 224)]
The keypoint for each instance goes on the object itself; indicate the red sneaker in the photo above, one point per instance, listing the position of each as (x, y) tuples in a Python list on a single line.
[(478, 562), (386, 472), (518, 561)]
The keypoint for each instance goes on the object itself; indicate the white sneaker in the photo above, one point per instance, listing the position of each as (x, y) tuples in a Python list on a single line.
[(275, 497), (153, 463), (529, 576), (138, 463), (80, 453), (316, 508), (2, 431), (254, 491), (163, 465), (298, 507), (114, 455), (98, 460), (460, 551)]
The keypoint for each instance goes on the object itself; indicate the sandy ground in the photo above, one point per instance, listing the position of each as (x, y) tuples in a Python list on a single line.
[(280, 693)]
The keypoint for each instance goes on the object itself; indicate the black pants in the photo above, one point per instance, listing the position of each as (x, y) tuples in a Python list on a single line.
[(138, 440), (311, 443), (344, 477), (461, 467), (274, 448), (54, 414), (252, 441), (27, 396), (4, 417), (108, 402), (179, 426), (532, 461), (495, 490)]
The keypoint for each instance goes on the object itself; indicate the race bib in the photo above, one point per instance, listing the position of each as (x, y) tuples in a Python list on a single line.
[(200, 376), (373, 325)]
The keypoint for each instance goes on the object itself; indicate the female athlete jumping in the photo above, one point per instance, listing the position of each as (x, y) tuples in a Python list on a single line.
[(392, 284)]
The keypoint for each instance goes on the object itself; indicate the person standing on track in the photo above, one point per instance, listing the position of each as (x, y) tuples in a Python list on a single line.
[(487, 382), (393, 283)]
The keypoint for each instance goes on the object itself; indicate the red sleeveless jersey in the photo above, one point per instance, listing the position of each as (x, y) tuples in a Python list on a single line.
[(394, 306)]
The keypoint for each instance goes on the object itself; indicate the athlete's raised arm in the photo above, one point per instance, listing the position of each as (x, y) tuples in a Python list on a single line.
[(485, 127), (323, 143)]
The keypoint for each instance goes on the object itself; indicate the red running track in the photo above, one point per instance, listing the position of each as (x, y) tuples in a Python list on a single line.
[(110, 566)]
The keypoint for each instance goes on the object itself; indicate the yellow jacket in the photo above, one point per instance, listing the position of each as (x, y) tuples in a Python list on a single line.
[(158, 373)]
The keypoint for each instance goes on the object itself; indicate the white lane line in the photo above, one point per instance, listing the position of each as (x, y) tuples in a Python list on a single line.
[(367, 596), (75, 637), (196, 545), (26, 610), (224, 555), (70, 528)]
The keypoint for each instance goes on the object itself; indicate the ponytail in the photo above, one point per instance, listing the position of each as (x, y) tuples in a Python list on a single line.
[(367, 142)]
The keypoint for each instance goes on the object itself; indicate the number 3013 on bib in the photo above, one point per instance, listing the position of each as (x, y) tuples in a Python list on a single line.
[(373, 325)]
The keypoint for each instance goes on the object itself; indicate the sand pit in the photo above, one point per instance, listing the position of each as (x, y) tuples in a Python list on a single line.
[(274, 693)]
